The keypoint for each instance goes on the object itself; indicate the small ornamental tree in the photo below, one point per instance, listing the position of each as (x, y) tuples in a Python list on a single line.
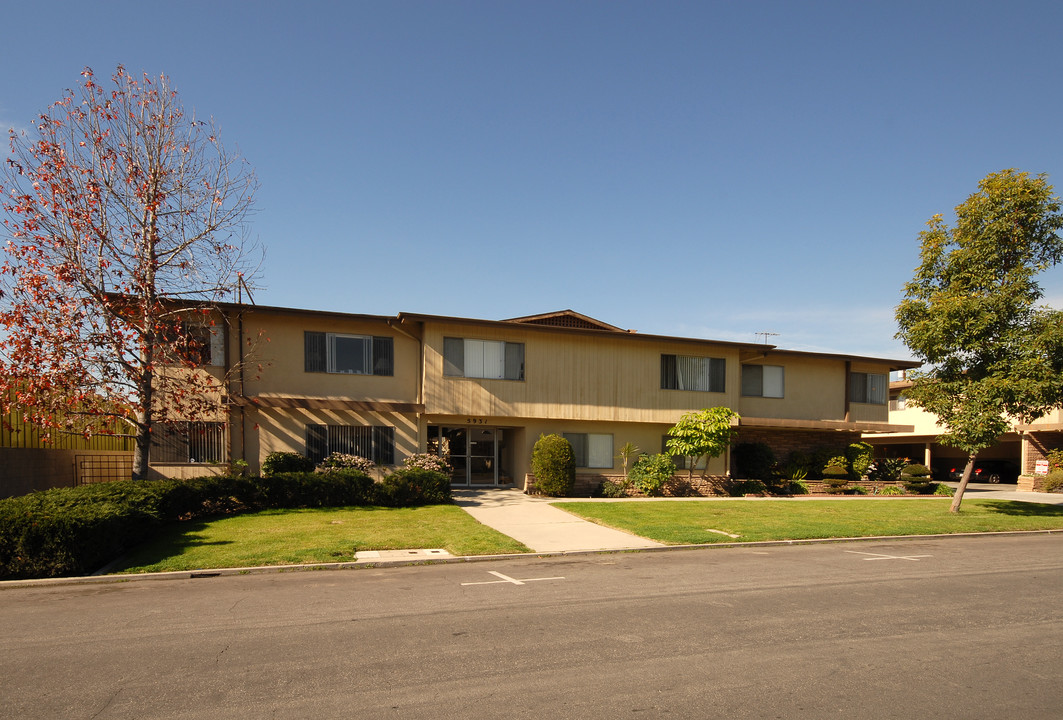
[(554, 465), (124, 228), (706, 434), (971, 314)]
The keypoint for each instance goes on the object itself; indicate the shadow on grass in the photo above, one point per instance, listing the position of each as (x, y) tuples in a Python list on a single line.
[(170, 541), (1022, 509)]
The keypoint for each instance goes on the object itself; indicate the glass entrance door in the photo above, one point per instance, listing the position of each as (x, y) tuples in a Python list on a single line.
[(474, 453), (483, 456)]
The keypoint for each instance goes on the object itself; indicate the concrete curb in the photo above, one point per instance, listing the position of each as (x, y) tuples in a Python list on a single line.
[(378, 564)]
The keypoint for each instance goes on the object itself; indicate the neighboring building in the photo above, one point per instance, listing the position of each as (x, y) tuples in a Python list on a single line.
[(481, 392), (1021, 448), (32, 458)]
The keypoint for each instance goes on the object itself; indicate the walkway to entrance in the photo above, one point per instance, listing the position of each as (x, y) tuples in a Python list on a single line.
[(531, 520)]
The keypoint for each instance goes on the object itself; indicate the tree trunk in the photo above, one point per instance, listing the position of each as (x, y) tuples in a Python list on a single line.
[(142, 448), (967, 472)]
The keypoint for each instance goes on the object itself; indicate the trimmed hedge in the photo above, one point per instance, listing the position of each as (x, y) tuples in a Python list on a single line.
[(554, 465), (74, 531)]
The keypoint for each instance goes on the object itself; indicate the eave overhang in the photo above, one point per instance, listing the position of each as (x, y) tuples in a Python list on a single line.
[(839, 425)]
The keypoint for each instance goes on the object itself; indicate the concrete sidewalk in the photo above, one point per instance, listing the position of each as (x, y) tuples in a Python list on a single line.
[(531, 520)]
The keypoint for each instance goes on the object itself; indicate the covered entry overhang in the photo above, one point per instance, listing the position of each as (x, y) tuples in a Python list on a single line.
[(839, 425)]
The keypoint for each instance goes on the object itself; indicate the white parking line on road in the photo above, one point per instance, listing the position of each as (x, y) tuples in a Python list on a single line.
[(508, 579), (878, 556)]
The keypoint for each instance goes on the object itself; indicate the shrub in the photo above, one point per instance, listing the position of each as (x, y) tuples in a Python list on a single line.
[(337, 487), (554, 465), (413, 486), (859, 456), (837, 461), (835, 478), (74, 531), (753, 460), (738, 488), (798, 462), (651, 473), (1055, 459), (943, 489), (614, 489), (798, 486), (427, 461), (857, 490), (890, 490), (915, 470), (1053, 482), (886, 469), (281, 462), (345, 461), (821, 458)]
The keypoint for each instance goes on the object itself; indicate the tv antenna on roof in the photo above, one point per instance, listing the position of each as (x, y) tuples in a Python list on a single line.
[(766, 335)]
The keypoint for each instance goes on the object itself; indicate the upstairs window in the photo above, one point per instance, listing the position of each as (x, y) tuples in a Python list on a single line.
[(490, 359), (868, 388), (762, 381), (193, 343), (349, 354), (592, 450), (681, 372)]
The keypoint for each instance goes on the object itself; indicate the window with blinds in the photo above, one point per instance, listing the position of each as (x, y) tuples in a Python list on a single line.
[(592, 450), (349, 354), (762, 381), (490, 359), (682, 372), (188, 442), (373, 442), (869, 388)]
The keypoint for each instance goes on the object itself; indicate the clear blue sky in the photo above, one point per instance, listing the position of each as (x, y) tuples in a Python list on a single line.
[(705, 169)]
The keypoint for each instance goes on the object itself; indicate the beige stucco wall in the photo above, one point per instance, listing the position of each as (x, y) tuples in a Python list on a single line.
[(574, 382), (277, 365), (813, 389), (572, 377)]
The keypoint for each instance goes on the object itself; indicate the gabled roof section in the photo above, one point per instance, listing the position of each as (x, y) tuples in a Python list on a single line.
[(567, 319)]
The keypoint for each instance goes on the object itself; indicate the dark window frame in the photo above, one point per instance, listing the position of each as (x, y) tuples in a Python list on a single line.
[(753, 381), (865, 391), (454, 359), (373, 442), (671, 378), (580, 443), (188, 442), (316, 353)]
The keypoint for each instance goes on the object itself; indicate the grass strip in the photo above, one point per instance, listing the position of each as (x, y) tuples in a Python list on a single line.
[(292, 537), (723, 521)]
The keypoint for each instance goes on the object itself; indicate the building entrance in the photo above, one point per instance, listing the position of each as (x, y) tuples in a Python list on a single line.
[(474, 453)]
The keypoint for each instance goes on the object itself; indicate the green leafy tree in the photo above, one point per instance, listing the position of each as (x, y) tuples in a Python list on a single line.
[(972, 315), (706, 434)]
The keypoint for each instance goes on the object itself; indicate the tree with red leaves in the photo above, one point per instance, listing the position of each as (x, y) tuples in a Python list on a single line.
[(125, 223)]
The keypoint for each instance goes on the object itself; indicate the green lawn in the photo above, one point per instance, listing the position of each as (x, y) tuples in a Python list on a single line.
[(290, 537), (678, 522)]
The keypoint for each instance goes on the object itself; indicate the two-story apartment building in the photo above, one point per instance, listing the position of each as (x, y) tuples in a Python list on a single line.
[(1020, 448), (481, 392)]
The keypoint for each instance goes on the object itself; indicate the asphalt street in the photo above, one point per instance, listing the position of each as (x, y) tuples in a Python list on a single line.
[(950, 628)]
